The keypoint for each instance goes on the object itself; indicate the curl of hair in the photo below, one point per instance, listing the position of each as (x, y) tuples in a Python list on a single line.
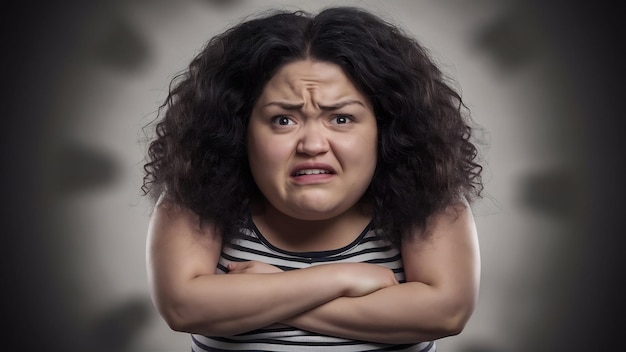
[(426, 160)]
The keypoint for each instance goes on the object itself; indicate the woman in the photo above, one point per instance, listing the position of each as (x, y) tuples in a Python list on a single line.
[(314, 175)]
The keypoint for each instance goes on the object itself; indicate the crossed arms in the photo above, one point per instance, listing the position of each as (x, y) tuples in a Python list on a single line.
[(351, 300)]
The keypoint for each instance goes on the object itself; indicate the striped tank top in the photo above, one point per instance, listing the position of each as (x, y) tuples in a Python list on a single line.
[(369, 247)]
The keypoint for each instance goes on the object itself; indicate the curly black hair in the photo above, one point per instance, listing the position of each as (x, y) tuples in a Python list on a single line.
[(426, 159)]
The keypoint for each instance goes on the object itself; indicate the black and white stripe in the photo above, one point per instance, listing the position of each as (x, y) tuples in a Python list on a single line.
[(368, 247)]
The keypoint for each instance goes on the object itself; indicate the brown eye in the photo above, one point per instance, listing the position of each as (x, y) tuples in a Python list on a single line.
[(282, 120), (341, 119)]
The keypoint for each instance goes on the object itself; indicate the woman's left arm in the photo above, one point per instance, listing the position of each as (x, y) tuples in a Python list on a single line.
[(443, 274)]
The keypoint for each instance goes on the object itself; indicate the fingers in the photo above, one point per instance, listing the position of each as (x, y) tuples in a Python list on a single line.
[(365, 278), (236, 267), (251, 267)]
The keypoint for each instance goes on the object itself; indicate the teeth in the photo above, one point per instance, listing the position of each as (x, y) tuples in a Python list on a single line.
[(312, 172)]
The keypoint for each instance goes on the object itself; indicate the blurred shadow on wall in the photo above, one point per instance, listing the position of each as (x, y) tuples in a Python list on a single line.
[(115, 329), (41, 266), (579, 291), (46, 307), (50, 46), (551, 187)]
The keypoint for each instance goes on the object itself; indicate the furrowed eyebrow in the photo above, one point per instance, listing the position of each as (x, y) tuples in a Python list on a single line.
[(340, 105), (286, 106), (336, 106)]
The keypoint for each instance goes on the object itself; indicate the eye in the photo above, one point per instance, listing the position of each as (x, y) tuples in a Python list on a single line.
[(282, 120), (341, 119)]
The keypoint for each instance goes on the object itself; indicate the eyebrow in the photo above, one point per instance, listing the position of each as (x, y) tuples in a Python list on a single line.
[(291, 106)]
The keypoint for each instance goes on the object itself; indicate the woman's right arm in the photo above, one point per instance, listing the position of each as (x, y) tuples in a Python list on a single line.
[(182, 256)]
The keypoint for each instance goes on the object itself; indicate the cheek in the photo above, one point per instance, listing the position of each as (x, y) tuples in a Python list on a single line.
[(365, 148), (265, 154), (359, 153), (370, 155), (267, 159), (370, 160)]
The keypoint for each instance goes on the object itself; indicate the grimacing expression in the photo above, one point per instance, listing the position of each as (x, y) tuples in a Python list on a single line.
[(312, 141)]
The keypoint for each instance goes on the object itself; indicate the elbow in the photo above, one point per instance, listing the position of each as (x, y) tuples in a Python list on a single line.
[(456, 307), (456, 319), (453, 327), (442, 322), (176, 323), (180, 319), (450, 326), (184, 317), (445, 323), (175, 317), (176, 311), (447, 317)]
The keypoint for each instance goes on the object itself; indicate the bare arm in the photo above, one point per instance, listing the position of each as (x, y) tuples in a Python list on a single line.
[(443, 274), (181, 261)]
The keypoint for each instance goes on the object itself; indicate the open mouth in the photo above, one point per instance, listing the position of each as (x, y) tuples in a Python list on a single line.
[(311, 172)]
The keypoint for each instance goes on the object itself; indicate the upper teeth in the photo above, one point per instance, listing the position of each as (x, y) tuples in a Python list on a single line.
[(312, 172)]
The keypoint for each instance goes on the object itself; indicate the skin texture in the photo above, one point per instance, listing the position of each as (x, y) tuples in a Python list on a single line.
[(311, 117), (426, 157), (182, 256), (291, 128), (443, 275)]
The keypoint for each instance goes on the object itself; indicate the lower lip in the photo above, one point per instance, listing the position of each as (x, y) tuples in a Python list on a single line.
[(312, 179)]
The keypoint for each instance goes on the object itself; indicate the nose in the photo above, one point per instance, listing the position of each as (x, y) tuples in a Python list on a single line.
[(313, 140)]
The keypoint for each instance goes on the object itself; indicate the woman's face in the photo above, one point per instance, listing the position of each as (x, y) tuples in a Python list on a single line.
[(312, 140)]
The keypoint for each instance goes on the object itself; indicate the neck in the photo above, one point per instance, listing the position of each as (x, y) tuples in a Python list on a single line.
[(298, 235)]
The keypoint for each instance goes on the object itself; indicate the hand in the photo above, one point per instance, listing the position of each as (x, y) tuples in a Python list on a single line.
[(365, 278), (252, 267), (360, 279)]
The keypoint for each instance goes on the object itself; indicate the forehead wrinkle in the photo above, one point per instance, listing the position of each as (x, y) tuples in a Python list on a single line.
[(340, 104), (307, 97), (311, 89), (282, 93), (314, 92)]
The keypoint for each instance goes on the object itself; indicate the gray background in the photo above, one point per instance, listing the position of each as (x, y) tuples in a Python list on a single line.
[(542, 78)]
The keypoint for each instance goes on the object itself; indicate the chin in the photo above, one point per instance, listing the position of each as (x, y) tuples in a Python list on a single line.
[(315, 214), (314, 217)]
